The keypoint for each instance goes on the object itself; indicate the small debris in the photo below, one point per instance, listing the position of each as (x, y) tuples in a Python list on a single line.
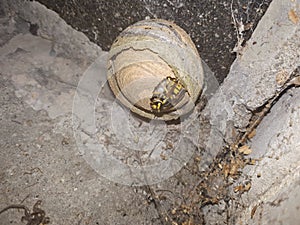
[(245, 149), (295, 81), (173, 211), (281, 77), (252, 134), (36, 217), (189, 222), (293, 16), (242, 188), (258, 175), (253, 211), (163, 157), (197, 159), (65, 141)]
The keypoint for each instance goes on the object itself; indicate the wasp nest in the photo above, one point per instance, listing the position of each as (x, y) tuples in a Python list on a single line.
[(155, 70)]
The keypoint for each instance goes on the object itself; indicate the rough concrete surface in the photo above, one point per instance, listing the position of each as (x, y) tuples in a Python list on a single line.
[(252, 78), (271, 55), (40, 159), (275, 190)]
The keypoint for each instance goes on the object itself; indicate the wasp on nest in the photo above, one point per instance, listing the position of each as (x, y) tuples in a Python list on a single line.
[(166, 95), (155, 70)]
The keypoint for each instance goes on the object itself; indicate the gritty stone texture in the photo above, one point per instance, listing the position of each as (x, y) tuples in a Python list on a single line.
[(273, 50), (275, 180), (252, 78), (40, 159), (51, 83), (65, 41)]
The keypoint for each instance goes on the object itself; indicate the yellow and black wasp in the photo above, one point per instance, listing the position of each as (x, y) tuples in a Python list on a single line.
[(166, 95)]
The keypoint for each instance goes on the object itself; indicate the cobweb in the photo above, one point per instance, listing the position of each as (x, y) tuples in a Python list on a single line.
[(245, 16)]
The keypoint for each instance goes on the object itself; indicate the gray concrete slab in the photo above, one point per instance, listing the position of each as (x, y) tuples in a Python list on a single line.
[(40, 158)]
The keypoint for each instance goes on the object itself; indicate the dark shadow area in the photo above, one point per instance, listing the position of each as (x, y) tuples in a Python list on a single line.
[(209, 23)]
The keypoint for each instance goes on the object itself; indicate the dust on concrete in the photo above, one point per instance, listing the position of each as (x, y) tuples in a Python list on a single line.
[(39, 156), (41, 161)]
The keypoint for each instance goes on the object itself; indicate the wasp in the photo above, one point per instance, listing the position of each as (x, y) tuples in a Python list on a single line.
[(166, 95)]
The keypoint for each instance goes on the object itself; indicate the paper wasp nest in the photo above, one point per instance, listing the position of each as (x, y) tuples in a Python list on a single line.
[(155, 70)]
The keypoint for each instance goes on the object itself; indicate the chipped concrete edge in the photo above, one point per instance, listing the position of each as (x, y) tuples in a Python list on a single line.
[(55, 29), (272, 49), (251, 81)]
